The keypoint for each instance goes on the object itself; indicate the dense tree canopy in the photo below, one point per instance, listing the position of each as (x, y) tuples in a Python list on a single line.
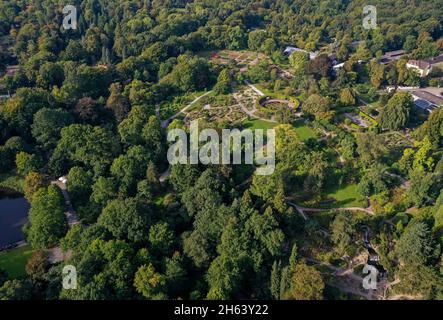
[(95, 105)]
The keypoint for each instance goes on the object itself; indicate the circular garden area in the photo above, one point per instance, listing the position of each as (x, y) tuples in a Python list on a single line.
[(269, 108)]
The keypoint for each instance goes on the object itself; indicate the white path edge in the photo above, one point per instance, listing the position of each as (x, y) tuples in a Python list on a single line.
[(166, 122)]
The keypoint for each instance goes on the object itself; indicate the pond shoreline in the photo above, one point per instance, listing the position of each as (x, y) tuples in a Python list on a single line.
[(14, 209), (9, 193)]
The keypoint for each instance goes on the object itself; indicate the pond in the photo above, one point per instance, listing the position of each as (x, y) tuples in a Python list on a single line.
[(13, 215)]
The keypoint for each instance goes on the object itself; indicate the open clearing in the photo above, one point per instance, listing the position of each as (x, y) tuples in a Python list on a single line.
[(304, 132), (14, 261), (258, 124), (347, 196)]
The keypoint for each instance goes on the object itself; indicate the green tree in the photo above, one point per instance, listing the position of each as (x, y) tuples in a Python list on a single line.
[(105, 269), (270, 47), (131, 127), (377, 74), (50, 74), (410, 43), (320, 67), (432, 128), (37, 265), (396, 113), (347, 97), (118, 102), (223, 85), (9, 151), (47, 220), (149, 283), (130, 167), (306, 284), (343, 231), (48, 124), (415, 246), (16, 290), (426, 48), (293, 256), (19, 111), (161, 238), (94, 147), (191, 74), (275, 280), (373, 180), (422, 157), (27, 163), (103, 191), (154, 138), (299, 62), (33, 182), (370, 147), (79, 184), (224, 276), (256, 39), (176, 275), (259, 72), (318, 106), (421, 184), (125, 220), (237, 38)]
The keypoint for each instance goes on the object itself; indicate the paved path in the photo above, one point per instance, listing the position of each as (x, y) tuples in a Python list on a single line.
[(165, 123), (70, 214), (252, 112), (405, 184), (303, 210), (259, 92), (286, 73), (299, 209), (404, 297), (56, 255), (165, 175), (290, 104), (353, 286)]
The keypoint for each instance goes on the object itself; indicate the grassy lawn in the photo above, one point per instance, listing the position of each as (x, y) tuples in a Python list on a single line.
[(265, 90), (11, 180), (14, 261), (347, 196), (258, 124), (304, 132)]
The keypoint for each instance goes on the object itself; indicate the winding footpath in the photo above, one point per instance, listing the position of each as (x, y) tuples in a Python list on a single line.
[(56, 254), (71, 215), (353, 286), (259, 92), (165, 123), (303, 210)]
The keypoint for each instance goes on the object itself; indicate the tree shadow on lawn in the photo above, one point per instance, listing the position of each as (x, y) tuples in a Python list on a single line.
[(343, 203)]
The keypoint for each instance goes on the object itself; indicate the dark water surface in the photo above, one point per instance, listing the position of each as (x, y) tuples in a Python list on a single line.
[(13, 215)]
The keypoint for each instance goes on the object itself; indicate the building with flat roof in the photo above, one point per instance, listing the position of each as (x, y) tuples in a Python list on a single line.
[(435, 60), (392, 56), (290, 50), (11, 70), (426, 100)]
